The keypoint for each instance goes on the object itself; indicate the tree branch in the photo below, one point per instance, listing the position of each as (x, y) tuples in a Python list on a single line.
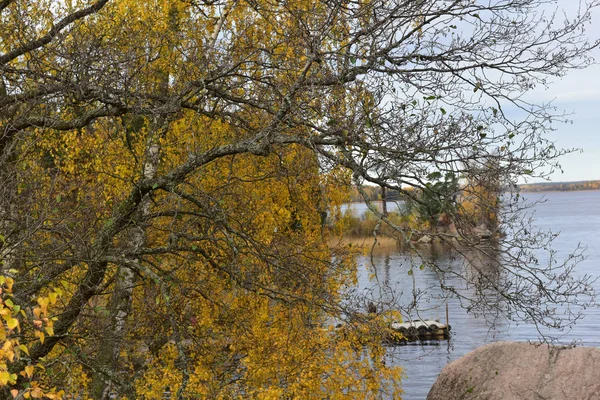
[(54, 31)]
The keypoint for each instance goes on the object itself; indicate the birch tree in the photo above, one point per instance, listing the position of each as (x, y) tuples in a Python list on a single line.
[(167, 168)]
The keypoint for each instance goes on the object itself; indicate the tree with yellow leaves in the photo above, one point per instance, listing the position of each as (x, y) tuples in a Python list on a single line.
[(168, 167)]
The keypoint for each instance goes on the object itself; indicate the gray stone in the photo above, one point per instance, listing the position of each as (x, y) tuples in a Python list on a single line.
[(521, 371)]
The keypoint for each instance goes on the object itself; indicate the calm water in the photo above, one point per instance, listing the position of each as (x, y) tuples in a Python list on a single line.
[(576, 215), (361, 208)]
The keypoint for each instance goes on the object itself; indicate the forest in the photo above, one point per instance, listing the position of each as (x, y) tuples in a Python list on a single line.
[(560, 186), (168, 170)]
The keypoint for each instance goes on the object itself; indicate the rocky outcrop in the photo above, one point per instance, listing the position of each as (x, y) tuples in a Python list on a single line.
[(521, 371)]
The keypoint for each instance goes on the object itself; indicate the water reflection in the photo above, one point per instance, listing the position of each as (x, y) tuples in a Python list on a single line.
[(426, 279)]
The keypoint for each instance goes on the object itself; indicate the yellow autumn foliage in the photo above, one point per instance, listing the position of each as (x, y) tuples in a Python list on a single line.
[(235, 286)]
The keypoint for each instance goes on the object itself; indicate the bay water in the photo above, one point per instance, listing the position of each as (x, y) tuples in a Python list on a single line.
[(575, 215)]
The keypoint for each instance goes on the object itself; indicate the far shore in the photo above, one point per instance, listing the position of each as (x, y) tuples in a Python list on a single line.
[(560, 186)]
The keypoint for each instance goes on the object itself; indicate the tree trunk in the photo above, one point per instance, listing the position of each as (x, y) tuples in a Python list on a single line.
[(384, 202), (119, 307)]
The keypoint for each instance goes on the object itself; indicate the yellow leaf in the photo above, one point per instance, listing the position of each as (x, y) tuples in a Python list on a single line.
[(24, 349), (29, 371), (12, 323), (7, 346), (36, 393), (43, 302), (52, 296), (4, 378), (14, 393), (50, 330)]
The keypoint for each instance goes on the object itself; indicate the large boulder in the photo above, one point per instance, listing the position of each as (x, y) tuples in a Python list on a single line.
[(523, 371)]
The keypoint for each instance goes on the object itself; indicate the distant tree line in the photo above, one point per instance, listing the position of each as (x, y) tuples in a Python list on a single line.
[(560, 186)]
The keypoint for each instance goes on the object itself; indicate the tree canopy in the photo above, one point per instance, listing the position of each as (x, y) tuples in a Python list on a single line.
[(167, 169)]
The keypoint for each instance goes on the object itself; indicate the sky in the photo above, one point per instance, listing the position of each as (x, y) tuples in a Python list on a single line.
[(578, 93)]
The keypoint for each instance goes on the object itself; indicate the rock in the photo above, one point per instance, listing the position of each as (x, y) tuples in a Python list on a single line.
[(425, 239), (523, 371)]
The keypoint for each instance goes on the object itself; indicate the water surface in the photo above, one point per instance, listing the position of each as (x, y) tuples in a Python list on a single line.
[(576, 215)]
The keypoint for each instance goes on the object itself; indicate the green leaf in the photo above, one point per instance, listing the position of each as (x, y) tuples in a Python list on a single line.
[(443, 111), (434, 175), (410, 272), (353, 60), (422, 267)]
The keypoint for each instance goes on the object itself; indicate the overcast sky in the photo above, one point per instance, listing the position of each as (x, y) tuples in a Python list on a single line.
[(577, 93)]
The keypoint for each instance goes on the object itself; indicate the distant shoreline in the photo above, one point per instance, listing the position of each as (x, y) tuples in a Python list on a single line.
[(576, 186), (560, 186)]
